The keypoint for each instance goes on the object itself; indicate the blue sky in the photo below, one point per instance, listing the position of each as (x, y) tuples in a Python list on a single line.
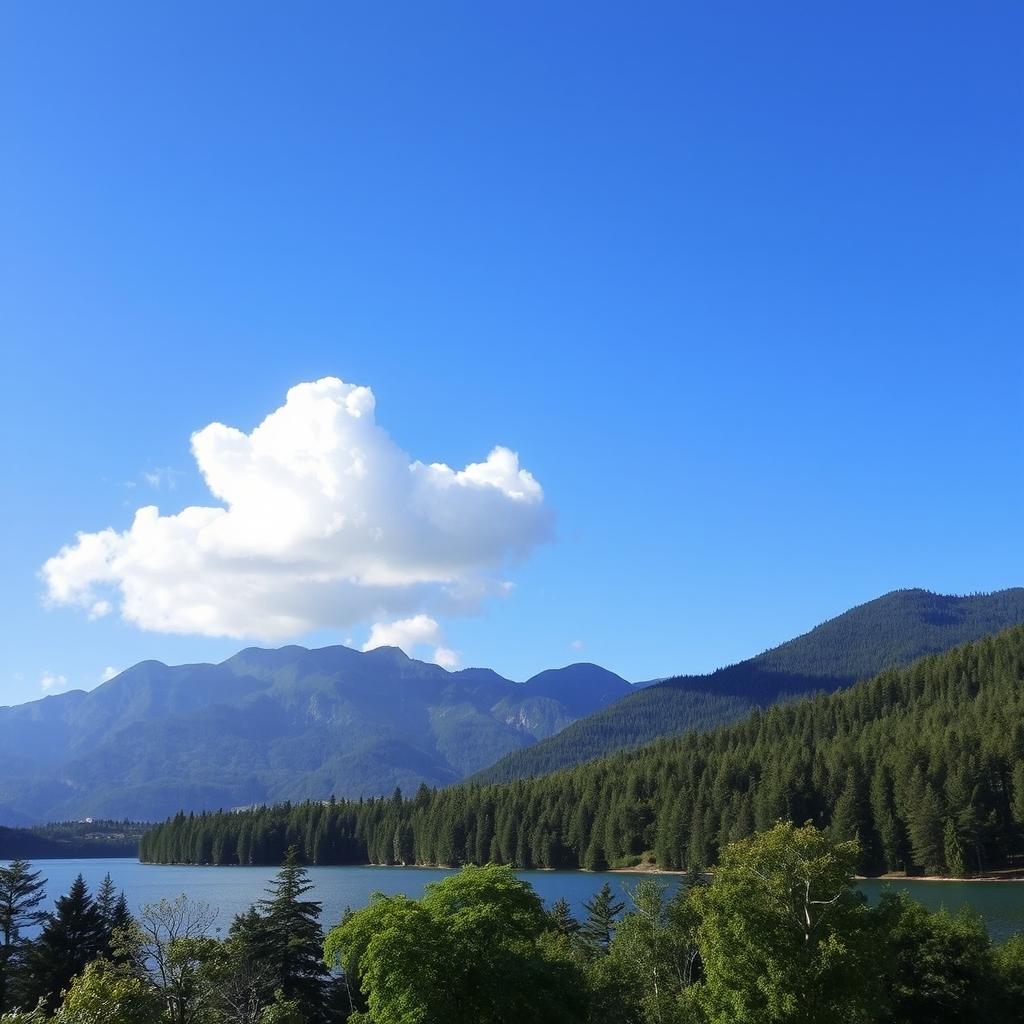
[(740, 284)]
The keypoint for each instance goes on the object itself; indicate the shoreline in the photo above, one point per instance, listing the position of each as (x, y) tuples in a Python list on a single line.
[(1014, 875)]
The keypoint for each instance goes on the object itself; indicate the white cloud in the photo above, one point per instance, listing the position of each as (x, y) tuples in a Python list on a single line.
[(324, 522), (576, 645), (162, 476), (50, 682), (410, 634), (108, 673), (405, 633), (447, 658)]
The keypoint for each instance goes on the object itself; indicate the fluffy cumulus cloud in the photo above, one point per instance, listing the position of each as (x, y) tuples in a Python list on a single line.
[(321, 521), (108, 673), (411, 634)]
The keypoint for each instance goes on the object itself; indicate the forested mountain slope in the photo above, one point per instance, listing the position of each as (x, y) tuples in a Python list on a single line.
[(892, 630), (274, 725), (924, 764)]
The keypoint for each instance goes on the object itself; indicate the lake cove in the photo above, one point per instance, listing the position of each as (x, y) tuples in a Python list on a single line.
[(234, 889)]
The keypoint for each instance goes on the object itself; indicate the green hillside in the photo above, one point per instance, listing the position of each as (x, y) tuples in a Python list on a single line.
[(274, 725), (925, 765), (892, 630)]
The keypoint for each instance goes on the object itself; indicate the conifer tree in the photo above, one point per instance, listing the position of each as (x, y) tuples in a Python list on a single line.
[(562, 919), (926, 836), (287, 940), (72, 937), (1018, 793), (602, 911), (954, 850), (22, 890)]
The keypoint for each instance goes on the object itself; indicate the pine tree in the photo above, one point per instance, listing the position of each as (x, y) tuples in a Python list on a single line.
[(602, 911), (846, 819), (21, 892), (886, 823), (954, 850), (1018, 793), (71, 938), (289, 942), (562, 920), (926, 836), (112, 908), (594, 859)]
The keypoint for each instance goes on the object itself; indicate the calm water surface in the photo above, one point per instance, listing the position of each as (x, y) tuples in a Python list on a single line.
[(233, 889)]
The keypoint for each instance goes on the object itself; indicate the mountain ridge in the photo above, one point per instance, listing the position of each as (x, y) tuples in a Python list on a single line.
[(889, 631), (273, 723)]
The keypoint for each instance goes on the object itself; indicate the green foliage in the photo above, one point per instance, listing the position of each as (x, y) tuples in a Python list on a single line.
[(888, 761), (284, 937), (654, 953), (72, 937), (472, 951), (1008, 961), (169, 945), (104, 994), (939, 966), (777, 936), (21, 893), (562, 919), (283, 1011), (36, 1016), (602, 910), (783, 934)]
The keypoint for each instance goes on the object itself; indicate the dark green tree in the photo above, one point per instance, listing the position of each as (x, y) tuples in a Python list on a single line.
[(953, 850), (72, 937), (562, 919), (602, 912), (926, 831), (938, 966), (22, 890), (286, 939), (113, 911)]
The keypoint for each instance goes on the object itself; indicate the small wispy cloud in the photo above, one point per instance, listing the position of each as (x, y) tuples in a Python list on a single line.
[(108, 673), (162, 476), (51, 682), (576, 645)]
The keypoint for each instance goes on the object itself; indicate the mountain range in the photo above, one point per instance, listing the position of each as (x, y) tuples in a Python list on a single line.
[(888, 632), (289, 724), (270, 725)]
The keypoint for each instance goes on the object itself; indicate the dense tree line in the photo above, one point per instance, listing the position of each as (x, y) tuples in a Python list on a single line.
[(923, 765), (72, 839)]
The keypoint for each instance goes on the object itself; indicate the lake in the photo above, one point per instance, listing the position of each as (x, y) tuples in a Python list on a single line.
[(234, 889)]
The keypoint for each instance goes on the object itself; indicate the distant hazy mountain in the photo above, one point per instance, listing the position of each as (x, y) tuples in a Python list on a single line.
[(271, 725), (892, 630)]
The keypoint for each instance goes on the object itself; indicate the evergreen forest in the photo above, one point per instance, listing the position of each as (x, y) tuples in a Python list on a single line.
[(923, 766)]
